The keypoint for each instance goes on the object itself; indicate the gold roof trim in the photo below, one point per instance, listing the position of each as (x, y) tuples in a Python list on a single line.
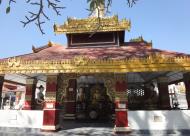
[(38, 49), (141, 39), (154, 62), (93, 24)]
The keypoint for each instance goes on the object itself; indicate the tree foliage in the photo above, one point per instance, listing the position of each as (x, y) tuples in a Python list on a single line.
[(39, 17)]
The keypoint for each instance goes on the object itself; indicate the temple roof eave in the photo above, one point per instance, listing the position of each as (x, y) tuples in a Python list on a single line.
[(80, 31), (82, 64), (130, 57)]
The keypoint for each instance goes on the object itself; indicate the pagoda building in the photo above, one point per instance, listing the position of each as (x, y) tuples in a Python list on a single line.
[(97, 74)]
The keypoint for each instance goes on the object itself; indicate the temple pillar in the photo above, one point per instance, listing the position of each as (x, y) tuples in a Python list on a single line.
[(186, 79), (146, 92), (30, 94), (51, 107), (164, 99), (121, 106), (1, 87), (70, 100)]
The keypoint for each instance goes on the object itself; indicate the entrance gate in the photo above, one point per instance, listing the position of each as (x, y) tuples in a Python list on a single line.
[(86, 96), (92, 100)]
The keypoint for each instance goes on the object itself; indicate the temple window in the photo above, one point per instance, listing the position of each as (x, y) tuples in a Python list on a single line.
[(136, 92), (135, 97)]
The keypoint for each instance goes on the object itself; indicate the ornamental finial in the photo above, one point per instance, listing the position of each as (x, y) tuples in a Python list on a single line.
[(98, 8)]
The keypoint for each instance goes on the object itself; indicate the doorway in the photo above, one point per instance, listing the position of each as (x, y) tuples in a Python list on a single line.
[(92, 100)]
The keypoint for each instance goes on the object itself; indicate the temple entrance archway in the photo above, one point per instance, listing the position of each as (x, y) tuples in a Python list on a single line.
[(93, 101), (89, 96)]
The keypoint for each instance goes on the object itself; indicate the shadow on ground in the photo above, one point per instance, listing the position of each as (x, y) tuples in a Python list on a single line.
[(88, 128)]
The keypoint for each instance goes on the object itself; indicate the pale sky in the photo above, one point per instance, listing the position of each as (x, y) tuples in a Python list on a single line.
[(165, 22)]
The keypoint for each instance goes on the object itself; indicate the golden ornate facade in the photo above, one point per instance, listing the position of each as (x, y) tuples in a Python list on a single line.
[(155, 62), (63, 79), (93, 24)]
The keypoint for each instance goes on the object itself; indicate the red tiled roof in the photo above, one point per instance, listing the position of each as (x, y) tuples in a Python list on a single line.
[(128, 50)]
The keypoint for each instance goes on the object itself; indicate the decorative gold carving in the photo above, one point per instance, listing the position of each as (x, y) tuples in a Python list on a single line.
[(109, 82), (63, 80), (138, 39), (92, 24), (14, 62), (50, 96), (141, 39), (62, 85), (156, 58), (96, 93), (80, 60), (154, 62), (121, 96)]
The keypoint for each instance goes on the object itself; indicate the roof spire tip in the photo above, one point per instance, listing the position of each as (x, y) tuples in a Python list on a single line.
[(50, 43)]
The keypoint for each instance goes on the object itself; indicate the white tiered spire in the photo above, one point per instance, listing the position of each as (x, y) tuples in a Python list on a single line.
[(99, 10)]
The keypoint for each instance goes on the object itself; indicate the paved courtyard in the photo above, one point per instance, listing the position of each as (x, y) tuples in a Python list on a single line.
[(73, 128)]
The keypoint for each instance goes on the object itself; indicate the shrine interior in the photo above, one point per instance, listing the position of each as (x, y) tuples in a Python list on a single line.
[(91, 98)]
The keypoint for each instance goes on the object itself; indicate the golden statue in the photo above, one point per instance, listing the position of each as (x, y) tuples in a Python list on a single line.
[(96, 97), (97, 94)]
